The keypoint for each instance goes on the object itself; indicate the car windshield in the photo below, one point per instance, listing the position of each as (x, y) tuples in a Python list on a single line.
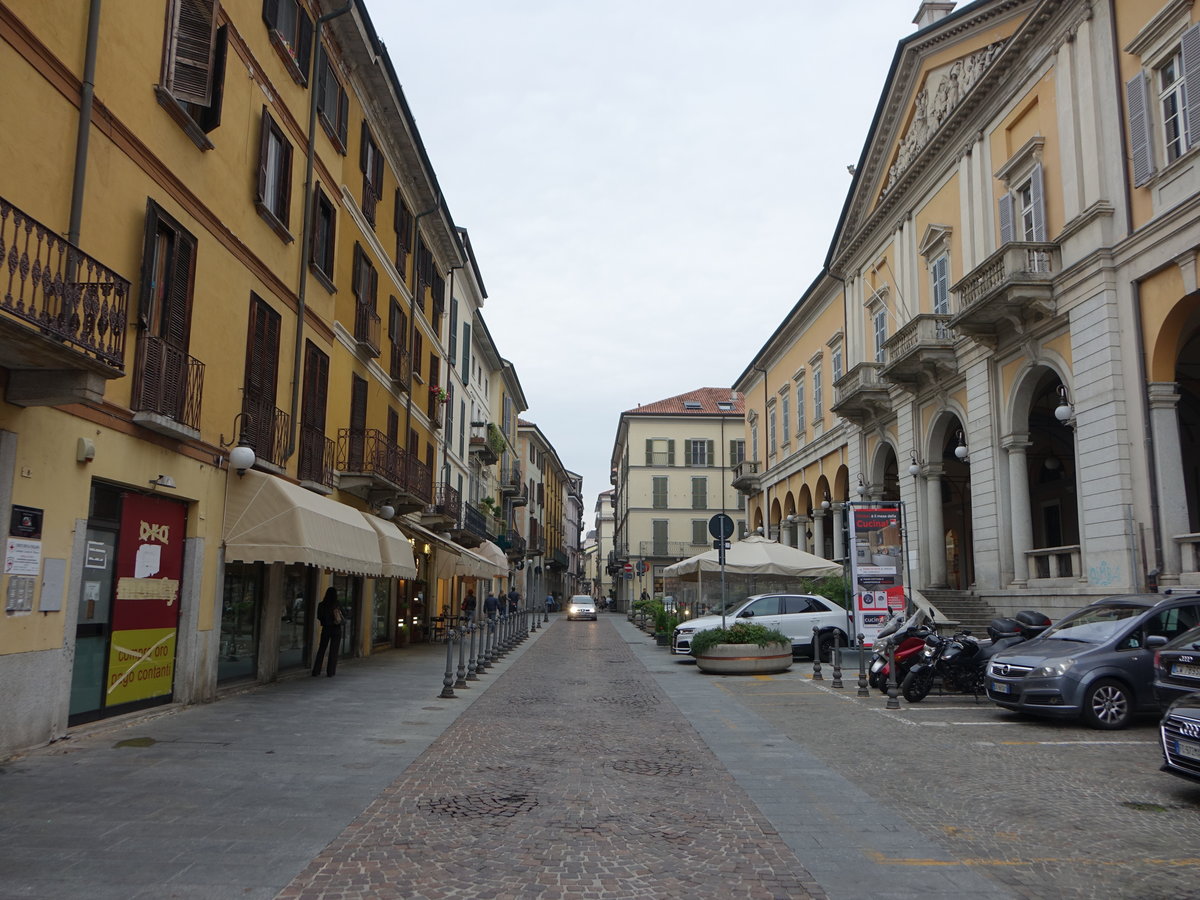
[(581, 601), (730, 608), (1093, 624)]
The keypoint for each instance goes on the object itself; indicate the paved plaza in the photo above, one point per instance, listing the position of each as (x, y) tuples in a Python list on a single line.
[(589, 763)]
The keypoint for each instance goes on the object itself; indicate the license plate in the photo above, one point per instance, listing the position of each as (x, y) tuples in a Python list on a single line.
[(1184, 748), (1001, 688), (1185, 670)]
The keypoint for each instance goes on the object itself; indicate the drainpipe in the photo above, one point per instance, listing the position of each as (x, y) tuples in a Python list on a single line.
[(87, 92), (412, 312), (766, 435), (306, 226)]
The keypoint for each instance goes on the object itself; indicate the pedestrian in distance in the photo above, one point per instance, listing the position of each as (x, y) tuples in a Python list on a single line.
[(514, 601), (329, 614), (645, 596), (468, 606), (491, 605), (550, 603)]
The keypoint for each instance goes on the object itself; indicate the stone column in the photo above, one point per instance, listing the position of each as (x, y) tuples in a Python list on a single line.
[(1168, 464), (936, 532), (1021, 514), (839, 536), (802, 524), (819, 532)]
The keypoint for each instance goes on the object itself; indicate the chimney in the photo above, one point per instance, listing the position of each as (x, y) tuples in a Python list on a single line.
[(931, 11)]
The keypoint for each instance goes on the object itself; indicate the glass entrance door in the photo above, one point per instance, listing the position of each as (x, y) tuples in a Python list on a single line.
[(94, 625)]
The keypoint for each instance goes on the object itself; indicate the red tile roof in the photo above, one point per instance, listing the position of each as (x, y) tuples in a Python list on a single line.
[(707, 398)]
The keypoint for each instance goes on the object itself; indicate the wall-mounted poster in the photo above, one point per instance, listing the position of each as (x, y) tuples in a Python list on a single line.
[(876, 565)]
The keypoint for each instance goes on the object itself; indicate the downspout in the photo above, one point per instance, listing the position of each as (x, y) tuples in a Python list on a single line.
[(86, 94), (766, 437), (306, 226), (412, 312)]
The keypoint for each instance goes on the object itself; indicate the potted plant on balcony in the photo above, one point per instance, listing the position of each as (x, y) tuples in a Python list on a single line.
[(438, 394), (743, 648)]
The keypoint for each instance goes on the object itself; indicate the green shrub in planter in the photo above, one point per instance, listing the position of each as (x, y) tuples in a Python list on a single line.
[(739, 633)]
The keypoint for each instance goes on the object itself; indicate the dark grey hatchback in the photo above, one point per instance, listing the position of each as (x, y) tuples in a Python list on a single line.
[(1096, 664)]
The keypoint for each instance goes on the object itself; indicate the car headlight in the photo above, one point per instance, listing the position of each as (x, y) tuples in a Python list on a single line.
[(1054, 670)]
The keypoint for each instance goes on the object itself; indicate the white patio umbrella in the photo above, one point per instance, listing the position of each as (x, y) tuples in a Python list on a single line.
[(756, 555)]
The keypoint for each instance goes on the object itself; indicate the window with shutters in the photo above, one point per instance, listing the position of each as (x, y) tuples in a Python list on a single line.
[(291, 33), (659, 532), (333, 106), (167, 381), (274, 194), (403, 225), (700, 493), (818, 395), (939, 274), (370, 162), (1022, 209), (1163, 97), (449, 405), (772, 430), (466, 352), (835, 358), (423, 273), (193, 72), (659, 492), (785, 417), (418, 351), (366, 318), (262, 419), (879, 329), (452, 336), (699, 452), (699, 531), (356, 446), (800, 423), (316, 450), (324, 238), (660, 452)]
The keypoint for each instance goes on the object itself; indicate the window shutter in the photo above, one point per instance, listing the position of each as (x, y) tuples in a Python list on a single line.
[(1037, 198), (264, 143), (687, 453), (210, 117), (1189, 46), (316, 387), (363, 144), (452, 351), (149, 246), (649, 452), (1006, 219), (418, 349), (356, 279), (671, 452), (1137, 98), (733, 458), (192, 52), (712, 457), (466, 352), (358, 422), (177, 315), (304, 51), (343, 117), (271, 12)]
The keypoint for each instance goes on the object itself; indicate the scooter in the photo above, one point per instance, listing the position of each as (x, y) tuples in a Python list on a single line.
[(904, 637), (962, 659)]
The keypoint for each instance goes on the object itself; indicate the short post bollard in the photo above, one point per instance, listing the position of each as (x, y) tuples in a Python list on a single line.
[(461, 681), (862, 667), (893, 692), (546, 614), (448, 680), (816, 652), (484, 643), (472, 671), (837, 661), (531, 613)]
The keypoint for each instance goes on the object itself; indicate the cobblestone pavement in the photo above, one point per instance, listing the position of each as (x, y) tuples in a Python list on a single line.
[(572, 777), (1045, 809)]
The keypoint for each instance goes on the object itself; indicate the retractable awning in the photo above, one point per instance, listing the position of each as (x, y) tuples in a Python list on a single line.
[(395, 549), (493, 554), (271, 520), (473, 563)]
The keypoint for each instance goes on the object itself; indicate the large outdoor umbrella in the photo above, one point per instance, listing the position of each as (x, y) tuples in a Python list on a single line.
[(756, 555)]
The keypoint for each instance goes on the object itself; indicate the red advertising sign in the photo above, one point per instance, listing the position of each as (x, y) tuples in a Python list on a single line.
[(876, 566)]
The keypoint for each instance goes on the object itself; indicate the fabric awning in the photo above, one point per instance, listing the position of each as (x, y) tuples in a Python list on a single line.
[(421, 533), (493, 554), (271, 520), (473, 563), (394, 548)]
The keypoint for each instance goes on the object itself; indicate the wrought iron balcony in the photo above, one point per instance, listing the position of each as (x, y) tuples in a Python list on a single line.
[(671, 549), (471, 530), (488, 444), (167, 388), (745, 476), (366, 329), (558, 559), (62, 315), (859, 395), (922, 349), (510, 479), (536, 545), (1008, 291), (445, 508), (437, 413), (512, 544), (316, 460), (401, 368), (265, 428)]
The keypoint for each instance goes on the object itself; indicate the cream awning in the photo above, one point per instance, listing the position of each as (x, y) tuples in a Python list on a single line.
[(395, 549), (493, 554), (473, 563), (271, 520)]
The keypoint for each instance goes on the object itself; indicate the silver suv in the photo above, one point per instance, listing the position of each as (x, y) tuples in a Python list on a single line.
[(794, 614)]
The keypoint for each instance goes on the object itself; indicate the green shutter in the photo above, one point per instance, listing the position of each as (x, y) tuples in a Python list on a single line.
[(671, 452), (687, 453), (649, 451), (712, 459)]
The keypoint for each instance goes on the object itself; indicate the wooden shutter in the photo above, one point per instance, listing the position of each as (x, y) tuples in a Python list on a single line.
[(271, 13), (358, 421), (1137, 99), (343, 114), (452, 350), (149, 249), (1037, 199), (733, 456), (393, 425), (316, 387), (191, 55), (178, 313), (1006, 220), (649, 451), (466, 352), (671, 452), (712, 457), (687, 453), (264, 143), (418, 349), (1189, 47), (363, 147), (358, 279), (305, 40)]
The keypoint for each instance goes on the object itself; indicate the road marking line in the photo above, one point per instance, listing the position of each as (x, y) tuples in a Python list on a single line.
[(879, 858)]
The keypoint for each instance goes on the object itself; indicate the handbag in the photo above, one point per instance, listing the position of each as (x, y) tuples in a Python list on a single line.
[(338, 618)]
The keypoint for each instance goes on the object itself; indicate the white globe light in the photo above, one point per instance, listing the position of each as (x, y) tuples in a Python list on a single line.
[(961, 451), (387, 511), (242, 458), (1063, 412)]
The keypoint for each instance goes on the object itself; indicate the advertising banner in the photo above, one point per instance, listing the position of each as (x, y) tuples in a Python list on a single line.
[(145, 617), (876, 565)]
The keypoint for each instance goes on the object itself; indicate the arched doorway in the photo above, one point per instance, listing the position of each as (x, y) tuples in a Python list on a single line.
[(948, 530)]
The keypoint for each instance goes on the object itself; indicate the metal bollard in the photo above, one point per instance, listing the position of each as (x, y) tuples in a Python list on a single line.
[(531, 613), (816, 652), (546, 615), (448, 680), (837, 662), (893, 692), (862, 667), (484, 660), (472, 673), (461, 681)]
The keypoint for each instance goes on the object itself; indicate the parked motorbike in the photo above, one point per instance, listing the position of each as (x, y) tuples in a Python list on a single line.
[(903, 636), (960, 661)]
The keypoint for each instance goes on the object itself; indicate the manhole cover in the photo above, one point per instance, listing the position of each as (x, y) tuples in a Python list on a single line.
[(652, 768), (503, 805)]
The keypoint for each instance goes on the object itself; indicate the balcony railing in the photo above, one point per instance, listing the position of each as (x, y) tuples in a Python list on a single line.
[(316, 456), (860, 395), (1014, 284), (447, 502), (371, 452), (401, 369), (510, 479), (418, 478), (474, 520), (265, 428), (167, 383), (366, 329), (64, 294), (922, 348), (745, 476), (1054, 562), (671, 549), (536, 545)]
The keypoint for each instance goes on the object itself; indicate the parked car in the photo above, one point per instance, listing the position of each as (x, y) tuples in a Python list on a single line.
[(1096, 664), (1179, 733), (581, 606), (794, 614), (1177, 668)]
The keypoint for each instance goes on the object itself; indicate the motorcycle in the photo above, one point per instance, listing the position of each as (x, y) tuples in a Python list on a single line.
[(903, 637), (961, 660)]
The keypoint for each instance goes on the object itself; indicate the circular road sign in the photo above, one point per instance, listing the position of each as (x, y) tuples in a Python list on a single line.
[(628, 568), (720, 526)]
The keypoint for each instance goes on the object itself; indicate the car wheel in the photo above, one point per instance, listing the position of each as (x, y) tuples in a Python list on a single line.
[(825, 648), (1108, 705)]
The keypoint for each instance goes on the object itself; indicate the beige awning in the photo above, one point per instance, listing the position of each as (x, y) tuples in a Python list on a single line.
[(473, 563), (421, 533), (271, 520), (395, 549), (493, 554)]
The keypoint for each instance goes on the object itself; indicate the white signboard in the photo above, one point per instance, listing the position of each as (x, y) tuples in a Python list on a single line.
[(23, 557)]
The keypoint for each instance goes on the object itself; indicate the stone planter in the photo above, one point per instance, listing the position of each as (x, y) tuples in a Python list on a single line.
[(745, 659)]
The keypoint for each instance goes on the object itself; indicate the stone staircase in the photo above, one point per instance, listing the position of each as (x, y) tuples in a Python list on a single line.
[(962, 608)]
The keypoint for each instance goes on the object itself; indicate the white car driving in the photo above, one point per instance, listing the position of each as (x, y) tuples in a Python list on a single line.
[(581, 606), (794, 614)]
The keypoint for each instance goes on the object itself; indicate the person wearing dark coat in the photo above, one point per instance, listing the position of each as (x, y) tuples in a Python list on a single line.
[(329, 614), (514, 601), (468, 606), (490, 605)]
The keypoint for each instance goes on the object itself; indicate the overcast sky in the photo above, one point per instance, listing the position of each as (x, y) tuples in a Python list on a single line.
[(649, 186)]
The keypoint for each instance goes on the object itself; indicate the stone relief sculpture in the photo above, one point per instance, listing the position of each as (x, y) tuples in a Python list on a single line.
[(948, 85)]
